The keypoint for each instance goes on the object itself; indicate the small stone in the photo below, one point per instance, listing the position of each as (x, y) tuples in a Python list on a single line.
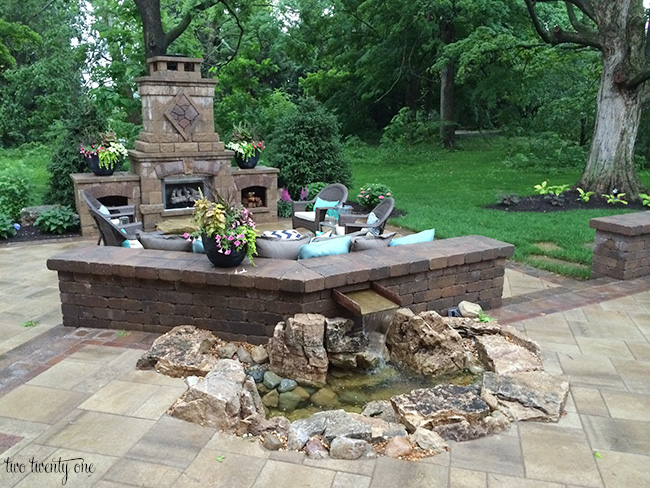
[(346, 448), (287, 385), (325, 398), (428, 440), (259, 354), (272, 442), (227, 351), (271, 399), (271, 380), (353, 398), (398, 446), (316, 450), (288, 401), (381, 409), (191, 381), (469, 309), (257, 373), (243, 355), (303, 393)]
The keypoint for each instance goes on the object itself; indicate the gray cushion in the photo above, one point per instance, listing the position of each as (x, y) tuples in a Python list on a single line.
[(156, 240), (272, 247), (363, 243)]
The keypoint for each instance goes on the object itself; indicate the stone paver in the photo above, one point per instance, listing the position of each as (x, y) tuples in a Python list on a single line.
[(75, 393)]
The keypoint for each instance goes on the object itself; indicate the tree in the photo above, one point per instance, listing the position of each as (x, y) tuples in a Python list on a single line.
[(619, 30)]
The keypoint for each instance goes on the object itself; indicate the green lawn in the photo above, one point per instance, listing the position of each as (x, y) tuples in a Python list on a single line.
[(31, 162), (447, 190)]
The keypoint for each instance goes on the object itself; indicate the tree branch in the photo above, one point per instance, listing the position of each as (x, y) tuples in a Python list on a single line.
[(541, 31), (640, 78), (559, 36), (184, 23), (586, 6), (579, 26)]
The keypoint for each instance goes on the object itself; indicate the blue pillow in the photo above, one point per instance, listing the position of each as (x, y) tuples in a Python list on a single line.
[(324, 203), (126, 244), (424, 236), (197, 246), (103, 210), (326, 247)]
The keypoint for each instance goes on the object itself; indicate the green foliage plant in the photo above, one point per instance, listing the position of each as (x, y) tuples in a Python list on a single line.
[(542, 188), (307, 148), (614, 197), (483, 317), (372, 194), (109, 150), (231, 226), (30, 323), (411, 127), (8, 228), (15, 192), (57, 220), (645, 199), (584, 195)]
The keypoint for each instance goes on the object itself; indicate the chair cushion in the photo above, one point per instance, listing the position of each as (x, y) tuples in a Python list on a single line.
[(320, 203), (132, 243), (103, 210), (363, 243), (153, 240), (197, 246), (326, 247), (308, 216), (424, 236), (273, 247)]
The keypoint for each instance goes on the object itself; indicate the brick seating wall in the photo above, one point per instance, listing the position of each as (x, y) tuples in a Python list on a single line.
[(131, 289), (621, 246)]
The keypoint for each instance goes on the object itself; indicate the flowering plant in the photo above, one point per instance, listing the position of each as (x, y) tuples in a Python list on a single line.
[(244, 143), (284, 204), (109, 150), (231, 226), (370, 195)]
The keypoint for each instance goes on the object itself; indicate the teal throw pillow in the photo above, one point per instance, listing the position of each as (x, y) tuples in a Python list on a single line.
[(197, 245), (424, 236), (103, 210), (326, 247), (324, 203)]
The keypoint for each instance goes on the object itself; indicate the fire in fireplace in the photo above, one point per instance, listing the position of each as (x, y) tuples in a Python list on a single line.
[(253, 197), (181, 193)]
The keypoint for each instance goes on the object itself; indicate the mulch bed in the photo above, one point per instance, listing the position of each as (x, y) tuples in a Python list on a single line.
[(29, 233), (571, 201)]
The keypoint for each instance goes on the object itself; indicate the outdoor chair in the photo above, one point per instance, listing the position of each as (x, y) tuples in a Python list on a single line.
[(381, 211), (335, 192), (111, 233)]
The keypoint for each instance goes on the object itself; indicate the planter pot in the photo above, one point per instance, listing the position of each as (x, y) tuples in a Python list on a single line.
[(250, 163), (93, 163), (219, 259)]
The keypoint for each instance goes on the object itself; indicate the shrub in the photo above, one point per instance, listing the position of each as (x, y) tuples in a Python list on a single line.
[(58, 220), (7, 227), (66, 158), (15, 192), (547, 151), (307, 148), (409, 127), (370, 195)]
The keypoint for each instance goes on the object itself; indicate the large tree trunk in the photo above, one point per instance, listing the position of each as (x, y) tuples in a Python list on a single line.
[(611, 158), (448, 125)]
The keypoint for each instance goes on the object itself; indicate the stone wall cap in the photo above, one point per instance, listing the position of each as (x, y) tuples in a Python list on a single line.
[(117, 176), (631, 224)]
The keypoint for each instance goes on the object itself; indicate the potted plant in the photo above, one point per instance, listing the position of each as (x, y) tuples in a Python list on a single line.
[(226, 230), (246, 146), (104, 154)]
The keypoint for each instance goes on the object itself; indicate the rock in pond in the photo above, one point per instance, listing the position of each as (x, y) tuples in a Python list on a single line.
[(325, 398), (271, 399), (271, 380), (297, 350), (183, 351), (287, 385), (224, 399)]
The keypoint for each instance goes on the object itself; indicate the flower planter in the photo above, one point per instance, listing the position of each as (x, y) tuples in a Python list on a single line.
[(92, 161), (250, 163), (221, 260)]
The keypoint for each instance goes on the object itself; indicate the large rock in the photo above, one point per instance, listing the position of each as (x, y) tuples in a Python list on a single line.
[(397, 447), (330, 424), (535, 395), (346, 448), (339, 337), (425, 343), (429, 440), (503, 357), (224, 399), (381, 409), (181, 352), (259, 425), (296, 350), (380, 430)]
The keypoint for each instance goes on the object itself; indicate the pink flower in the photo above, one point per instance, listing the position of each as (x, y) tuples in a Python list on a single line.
[(381, 197), (237, 243), (367, 196), (358, 196), (227, 252), (230, 238), (186, 235), (218, 238), (388, 194), (363, 191)]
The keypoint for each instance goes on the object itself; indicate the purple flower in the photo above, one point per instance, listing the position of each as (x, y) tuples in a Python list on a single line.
[(304, 193), (285, 197)]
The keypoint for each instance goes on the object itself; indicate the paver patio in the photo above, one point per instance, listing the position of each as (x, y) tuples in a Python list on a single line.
[(74, 394)]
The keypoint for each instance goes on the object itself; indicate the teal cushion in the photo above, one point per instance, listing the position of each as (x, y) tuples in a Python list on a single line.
[(324, 203), (126, 243), (103, 210), (197, 246), (424, 236), (327, 247)]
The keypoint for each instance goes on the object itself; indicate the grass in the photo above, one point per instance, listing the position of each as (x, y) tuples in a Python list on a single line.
[(448, 190), (31, 160)]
